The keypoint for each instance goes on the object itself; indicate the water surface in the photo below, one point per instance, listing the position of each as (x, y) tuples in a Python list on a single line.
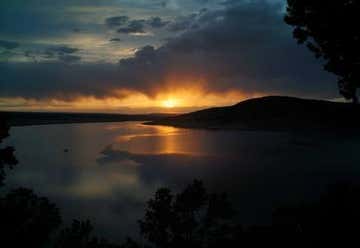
[(106, 172)]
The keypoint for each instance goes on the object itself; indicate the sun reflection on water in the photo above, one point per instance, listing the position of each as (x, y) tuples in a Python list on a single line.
[(146, 139)]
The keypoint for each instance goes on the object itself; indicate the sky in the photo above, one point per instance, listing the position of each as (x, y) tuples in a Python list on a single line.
[(142, 56)]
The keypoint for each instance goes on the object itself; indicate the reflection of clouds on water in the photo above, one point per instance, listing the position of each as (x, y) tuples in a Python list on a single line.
[(100, 182), (258, 173), (111, 183), (110, 155), (164, 167)]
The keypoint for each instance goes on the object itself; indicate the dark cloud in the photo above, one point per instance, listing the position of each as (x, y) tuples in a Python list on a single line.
[(8, 44), (33, 56), (115, 40), (231, 3), (179, 26), (133, 27), (127, 26), (244, 47), (163, 4), (69, 58), (62, 49), (182, 23), (34, 19), (157, 22), (45, 80), (62, 53), (117, 21), (203, 10)]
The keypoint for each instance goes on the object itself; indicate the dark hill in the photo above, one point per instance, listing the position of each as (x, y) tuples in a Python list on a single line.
[(272, 112)]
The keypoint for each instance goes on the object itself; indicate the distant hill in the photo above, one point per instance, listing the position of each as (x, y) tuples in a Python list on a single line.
[(45, 118), (272, 112)]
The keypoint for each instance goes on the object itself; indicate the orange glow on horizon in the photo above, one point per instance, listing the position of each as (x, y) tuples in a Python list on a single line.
[(176, 100)]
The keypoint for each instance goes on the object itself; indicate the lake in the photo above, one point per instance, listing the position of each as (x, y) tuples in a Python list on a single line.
[(107, 172)]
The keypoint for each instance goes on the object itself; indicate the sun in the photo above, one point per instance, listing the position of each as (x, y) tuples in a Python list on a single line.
[(169, 103)]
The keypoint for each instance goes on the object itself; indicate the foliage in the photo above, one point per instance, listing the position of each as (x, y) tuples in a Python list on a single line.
[(26, 219), (7, 158), (191, 218), (79, 236), (330, 30)]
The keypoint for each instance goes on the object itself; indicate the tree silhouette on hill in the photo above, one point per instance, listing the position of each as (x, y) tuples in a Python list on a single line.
[(79, 235), (191, 218), (7, 157), (330, 30)]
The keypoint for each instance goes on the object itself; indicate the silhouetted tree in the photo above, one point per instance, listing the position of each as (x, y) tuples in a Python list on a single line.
[(330, 30), (7, 158), (79, 235), (130, 243), (26, 220), (192, 218)]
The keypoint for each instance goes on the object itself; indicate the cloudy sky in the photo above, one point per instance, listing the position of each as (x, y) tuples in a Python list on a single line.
[(150, 55)]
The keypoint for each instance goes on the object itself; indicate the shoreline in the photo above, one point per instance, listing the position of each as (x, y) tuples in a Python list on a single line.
[(18, 119)]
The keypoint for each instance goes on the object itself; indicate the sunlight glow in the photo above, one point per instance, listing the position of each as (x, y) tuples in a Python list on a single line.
[(169, 103), (174, 100)]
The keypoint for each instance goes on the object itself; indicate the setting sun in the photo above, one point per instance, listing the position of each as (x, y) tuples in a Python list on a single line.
[(169, 103)]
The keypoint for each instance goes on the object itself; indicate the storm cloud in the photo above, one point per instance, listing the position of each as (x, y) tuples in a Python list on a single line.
[(133, 27), (157, 22), (116, 21), (244, 46), (62, 49), (8, 44)]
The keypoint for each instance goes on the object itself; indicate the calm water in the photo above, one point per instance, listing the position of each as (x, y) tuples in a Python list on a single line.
[(111, 170)]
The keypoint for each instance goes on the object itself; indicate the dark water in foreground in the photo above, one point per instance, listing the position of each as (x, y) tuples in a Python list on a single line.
[(110, 170)]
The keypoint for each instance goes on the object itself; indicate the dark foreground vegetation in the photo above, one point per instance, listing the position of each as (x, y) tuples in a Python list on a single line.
[(190, 218), (38, 118), (328, 29), (272, 112)]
